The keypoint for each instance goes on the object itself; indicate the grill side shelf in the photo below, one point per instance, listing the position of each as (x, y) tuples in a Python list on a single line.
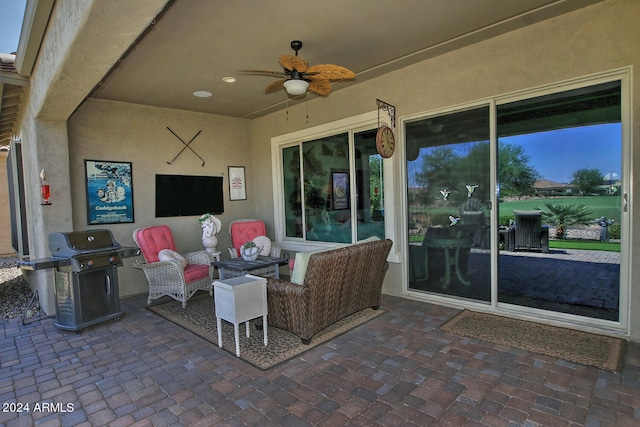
[(129, 251), (43, 263)]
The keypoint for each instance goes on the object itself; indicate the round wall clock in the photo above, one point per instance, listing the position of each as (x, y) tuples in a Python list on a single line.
[(385, 142)]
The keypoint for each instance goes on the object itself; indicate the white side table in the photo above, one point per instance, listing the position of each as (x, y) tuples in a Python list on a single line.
[(216, 255), (239, 300)]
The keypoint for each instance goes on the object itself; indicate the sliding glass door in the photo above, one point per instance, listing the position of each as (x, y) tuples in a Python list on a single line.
[(519, 203), (560, 210), (449, 196)]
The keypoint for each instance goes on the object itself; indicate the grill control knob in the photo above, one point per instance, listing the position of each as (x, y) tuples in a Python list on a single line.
[(112, 259), (90, 263)]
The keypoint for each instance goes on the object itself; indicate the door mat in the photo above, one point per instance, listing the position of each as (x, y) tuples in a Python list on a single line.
[(199, 317), (601, 351)]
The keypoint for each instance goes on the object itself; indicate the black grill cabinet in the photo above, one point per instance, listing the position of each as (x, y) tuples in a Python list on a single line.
[(86, 276), (84, 298)]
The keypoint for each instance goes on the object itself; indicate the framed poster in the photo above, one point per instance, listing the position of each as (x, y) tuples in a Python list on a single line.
[(109, 192), (237, 183), (339, 190)]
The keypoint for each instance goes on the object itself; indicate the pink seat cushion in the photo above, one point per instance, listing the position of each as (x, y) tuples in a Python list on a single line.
[(152, 240), (243, 231), (193, 272)]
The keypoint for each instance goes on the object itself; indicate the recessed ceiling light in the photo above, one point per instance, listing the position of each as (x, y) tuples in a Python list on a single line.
[(202, 94), (229, 79)]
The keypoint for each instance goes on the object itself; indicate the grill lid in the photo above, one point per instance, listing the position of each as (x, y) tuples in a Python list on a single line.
[(76, 243)]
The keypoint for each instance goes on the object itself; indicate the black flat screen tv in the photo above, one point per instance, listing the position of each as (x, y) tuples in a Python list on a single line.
[(187, 195)]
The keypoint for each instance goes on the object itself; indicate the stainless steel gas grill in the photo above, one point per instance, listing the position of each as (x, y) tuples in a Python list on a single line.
[(86, 276)]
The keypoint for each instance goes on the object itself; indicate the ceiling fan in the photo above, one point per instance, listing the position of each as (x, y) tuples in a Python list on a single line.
[(299, 77)]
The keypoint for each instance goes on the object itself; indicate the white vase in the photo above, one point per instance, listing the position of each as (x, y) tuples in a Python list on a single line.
[(250, 254)]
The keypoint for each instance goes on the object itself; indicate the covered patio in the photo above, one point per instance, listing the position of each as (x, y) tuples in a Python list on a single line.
[(117, 82)]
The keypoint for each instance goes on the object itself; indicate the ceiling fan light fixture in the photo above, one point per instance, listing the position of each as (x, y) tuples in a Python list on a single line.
[(296, 87)]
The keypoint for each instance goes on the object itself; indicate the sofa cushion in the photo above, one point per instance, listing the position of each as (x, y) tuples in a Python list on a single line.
[(302, 260), (195, 272)]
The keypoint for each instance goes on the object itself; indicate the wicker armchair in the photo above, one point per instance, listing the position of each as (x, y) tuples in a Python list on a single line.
[(168, 277), (529, 233), (243, 230)]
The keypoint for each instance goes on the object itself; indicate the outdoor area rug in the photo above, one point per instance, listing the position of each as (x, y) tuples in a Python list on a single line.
[(199, 318), (576, 346)]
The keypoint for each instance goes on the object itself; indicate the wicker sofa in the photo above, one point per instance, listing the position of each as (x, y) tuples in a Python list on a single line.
[(337, 283)]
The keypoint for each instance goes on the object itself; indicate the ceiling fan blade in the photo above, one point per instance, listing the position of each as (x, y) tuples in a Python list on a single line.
[(275, 86), (291, 62), (330, 72), (273, 73), (320, 87)]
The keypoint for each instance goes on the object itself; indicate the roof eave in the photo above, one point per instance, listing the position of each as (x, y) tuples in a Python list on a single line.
[(34, 25)]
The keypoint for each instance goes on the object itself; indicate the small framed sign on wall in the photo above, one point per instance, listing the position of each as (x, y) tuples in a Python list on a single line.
[(237, 183), (339, 189)]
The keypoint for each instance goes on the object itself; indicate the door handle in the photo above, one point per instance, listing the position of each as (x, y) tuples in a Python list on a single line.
[(107, 284)]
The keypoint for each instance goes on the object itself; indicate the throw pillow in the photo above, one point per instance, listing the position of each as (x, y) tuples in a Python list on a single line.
[(265, 243), (169, 255), (301, 262), (368, 239)]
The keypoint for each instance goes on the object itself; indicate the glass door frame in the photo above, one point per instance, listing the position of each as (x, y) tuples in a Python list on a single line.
[(622, 325)]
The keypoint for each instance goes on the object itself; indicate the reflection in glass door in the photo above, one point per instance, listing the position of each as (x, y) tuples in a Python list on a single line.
[(448, 193), (557, 230), (560, 216)]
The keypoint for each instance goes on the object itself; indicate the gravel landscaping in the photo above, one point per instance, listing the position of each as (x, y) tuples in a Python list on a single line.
[(15, 294)]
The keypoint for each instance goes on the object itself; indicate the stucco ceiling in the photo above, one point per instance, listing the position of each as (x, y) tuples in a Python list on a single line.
[(195, 44)]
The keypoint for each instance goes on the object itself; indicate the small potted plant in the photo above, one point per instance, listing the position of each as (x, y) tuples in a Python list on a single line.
[(250, 251)]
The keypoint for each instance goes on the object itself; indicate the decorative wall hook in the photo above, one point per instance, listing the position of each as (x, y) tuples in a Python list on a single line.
[(389, 109)]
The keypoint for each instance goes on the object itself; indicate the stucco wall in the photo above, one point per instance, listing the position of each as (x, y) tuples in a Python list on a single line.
[(591, 40), (103, 130), (68, 66)]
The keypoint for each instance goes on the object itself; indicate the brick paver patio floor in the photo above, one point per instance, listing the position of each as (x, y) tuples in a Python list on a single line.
[(396, 370)]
